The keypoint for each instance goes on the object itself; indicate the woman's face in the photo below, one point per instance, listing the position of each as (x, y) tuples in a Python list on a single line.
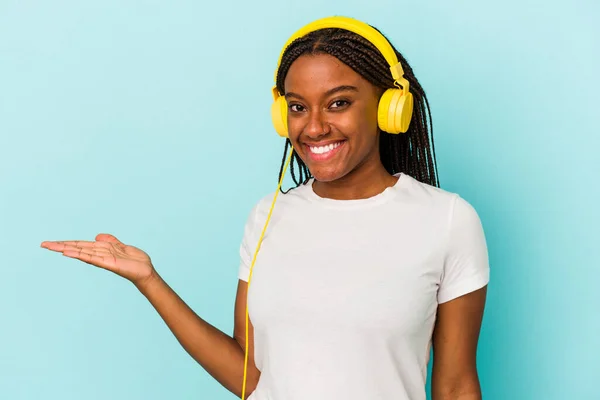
[(332, 116)]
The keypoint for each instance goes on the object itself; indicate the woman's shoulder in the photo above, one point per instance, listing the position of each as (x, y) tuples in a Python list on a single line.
[(435, 200), (285, 199), (423, 192), (283, 195)]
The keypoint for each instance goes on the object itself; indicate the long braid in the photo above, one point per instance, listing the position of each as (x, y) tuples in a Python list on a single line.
[(412, 152)]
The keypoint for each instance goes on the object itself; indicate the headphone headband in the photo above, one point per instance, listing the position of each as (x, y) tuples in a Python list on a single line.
[(360, 28)]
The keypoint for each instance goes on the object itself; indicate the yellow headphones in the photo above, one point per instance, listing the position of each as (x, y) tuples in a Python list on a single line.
[(393, 114), (395, 106)]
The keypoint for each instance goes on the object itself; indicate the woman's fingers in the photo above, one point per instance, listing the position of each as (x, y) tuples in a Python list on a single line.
[(108, 253), (62, 244), (96, 251), (106, 237), (98, 256), (103, 260), (56, 246)]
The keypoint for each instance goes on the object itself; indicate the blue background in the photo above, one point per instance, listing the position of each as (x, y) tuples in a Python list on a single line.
[(150, 120)]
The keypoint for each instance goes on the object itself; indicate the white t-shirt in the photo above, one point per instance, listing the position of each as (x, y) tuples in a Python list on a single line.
[(344, 293)]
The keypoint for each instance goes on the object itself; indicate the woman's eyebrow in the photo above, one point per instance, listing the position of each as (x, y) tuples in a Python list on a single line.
[(341, 88)]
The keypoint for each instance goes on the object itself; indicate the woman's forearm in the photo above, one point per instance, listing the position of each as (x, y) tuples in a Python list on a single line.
[(218, 353)]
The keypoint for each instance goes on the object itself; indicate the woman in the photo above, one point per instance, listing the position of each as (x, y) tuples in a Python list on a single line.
[(366, 262)]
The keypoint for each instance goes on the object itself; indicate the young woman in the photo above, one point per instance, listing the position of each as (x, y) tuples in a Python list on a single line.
[(364, 265)]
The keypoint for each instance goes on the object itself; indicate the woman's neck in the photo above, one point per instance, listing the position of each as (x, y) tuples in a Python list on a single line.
[(362, 183)]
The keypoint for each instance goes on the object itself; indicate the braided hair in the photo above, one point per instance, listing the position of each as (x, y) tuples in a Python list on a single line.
[(410, 152)]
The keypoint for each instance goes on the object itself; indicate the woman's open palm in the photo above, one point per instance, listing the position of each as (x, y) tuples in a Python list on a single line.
[(109, 253)]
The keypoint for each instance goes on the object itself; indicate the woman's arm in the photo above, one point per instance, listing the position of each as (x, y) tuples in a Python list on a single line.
[(221, 355), (455, 338)]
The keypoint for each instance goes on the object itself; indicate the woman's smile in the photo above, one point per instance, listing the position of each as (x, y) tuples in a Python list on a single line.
[(324, 151)]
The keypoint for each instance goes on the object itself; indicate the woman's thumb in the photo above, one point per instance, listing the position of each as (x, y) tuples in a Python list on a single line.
[(105, 237)]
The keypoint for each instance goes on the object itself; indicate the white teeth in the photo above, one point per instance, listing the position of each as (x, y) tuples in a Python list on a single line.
[(324, 149)]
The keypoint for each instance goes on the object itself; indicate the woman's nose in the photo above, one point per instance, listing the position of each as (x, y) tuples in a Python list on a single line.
[(316, 126)]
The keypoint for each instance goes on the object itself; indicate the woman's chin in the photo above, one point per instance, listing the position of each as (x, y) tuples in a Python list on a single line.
[(329, 174)]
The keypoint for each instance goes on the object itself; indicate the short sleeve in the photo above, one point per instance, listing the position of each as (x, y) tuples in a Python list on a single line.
[(466, 265), (248, 245)]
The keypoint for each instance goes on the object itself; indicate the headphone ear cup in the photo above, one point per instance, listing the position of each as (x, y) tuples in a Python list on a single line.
[(395, 111), (279, 116)]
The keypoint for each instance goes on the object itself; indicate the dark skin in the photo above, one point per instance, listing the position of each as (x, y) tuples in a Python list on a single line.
[(329, 102)]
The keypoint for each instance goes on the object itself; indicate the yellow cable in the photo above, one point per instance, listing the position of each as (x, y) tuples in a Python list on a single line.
[(252, 266)]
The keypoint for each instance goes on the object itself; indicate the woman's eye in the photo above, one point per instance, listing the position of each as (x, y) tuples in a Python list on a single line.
[(339, 103), (296, 108)]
